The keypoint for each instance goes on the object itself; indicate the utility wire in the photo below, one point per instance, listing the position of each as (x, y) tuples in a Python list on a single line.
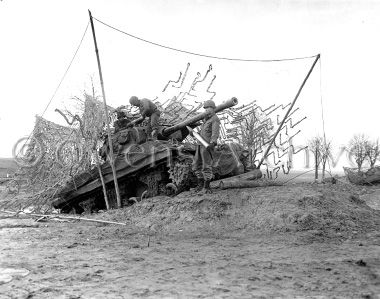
[(197, 54), (323, 117), (67, 69), (321, 96), (59, 85)]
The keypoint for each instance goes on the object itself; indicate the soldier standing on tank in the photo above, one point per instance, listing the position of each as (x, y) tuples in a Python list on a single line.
[(147, 109), (203, 159)]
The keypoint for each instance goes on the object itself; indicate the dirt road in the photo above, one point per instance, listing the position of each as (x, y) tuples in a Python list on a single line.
[(203, 247)]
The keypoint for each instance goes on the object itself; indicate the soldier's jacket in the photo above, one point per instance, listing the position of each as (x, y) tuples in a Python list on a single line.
[(210, 129), (147, 107)]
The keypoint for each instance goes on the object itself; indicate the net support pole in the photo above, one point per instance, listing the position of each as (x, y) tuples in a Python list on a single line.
[(111, 156), (102, 180), (98, 164), (288, 112)]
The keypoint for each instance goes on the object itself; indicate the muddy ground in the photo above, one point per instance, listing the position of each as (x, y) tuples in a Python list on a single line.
[(295, 241)]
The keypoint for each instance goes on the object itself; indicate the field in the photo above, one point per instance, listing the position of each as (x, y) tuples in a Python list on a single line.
[(300, 240)]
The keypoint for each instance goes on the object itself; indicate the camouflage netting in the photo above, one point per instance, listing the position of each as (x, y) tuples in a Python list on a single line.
[(52, 155), (55, 154), (250, 125)]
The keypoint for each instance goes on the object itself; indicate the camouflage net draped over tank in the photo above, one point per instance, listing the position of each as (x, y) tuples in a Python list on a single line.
[(59, 153), (250, 125), (55, 154)]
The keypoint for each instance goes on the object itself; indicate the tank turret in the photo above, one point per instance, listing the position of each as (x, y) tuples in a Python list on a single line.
[(139, 135)]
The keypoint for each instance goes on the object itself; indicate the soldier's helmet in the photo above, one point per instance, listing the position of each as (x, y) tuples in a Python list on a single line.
[(121, 113), (209, 104), (134, 101)]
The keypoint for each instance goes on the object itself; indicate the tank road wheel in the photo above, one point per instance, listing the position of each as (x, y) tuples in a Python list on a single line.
[(171, 189)]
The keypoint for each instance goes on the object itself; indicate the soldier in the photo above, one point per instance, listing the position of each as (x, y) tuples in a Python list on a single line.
[(122, 120), (202, 163), (147, 109)]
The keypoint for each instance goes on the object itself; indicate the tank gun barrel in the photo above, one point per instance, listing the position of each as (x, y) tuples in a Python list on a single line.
[(225, 105)]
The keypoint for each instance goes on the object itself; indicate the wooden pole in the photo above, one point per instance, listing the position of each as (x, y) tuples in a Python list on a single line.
[(246, 184), (102, 180), (98, 162), (41, 216), (288, 112), (111, 157)]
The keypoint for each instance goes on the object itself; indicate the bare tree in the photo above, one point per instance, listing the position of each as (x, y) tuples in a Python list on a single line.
[(315, 145), (358, 149), (321, 149), (372, 152), (324, 155), (255, 131)]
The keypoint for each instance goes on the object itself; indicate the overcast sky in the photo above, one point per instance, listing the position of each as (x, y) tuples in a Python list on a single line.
[(39, 38)]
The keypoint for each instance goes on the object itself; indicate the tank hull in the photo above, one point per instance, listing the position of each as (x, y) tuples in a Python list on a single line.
[(146, 168), (130, 164)]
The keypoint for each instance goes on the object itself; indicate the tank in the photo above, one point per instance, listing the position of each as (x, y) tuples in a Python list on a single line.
[(146, 168)]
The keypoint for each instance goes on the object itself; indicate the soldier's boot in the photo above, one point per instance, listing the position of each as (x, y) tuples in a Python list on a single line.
[(206, 187), (199, 186), (154, 135)]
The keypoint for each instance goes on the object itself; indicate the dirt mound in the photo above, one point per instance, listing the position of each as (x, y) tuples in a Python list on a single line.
[(270, 209), (301, 209), (166, 213)]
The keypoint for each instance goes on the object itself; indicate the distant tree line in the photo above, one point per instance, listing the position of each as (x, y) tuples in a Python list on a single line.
[(360, 148)]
